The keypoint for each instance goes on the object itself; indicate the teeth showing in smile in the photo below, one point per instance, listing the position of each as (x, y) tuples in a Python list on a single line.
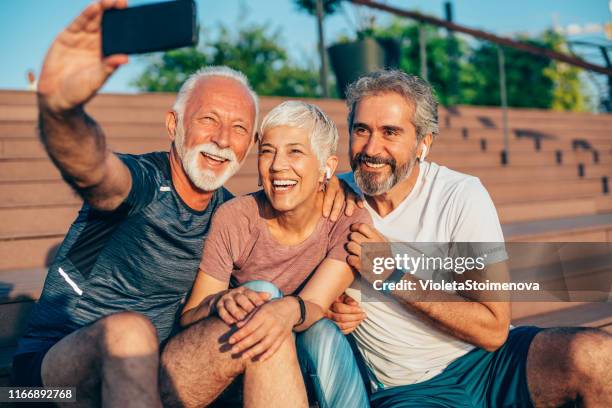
[(214, 158), (373, 165), (283, 185)]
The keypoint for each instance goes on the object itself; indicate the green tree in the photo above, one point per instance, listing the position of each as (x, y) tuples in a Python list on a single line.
[(252, 49), (166, 72), (256, 50), (526, 83), (531, 81), (568, 90)]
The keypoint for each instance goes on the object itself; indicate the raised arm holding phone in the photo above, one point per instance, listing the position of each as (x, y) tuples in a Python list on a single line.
[(72, 74)]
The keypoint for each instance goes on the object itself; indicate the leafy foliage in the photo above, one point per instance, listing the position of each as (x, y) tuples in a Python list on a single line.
[(531, 81), (253, 50), (526, 82), (257, 51), (567, 91)]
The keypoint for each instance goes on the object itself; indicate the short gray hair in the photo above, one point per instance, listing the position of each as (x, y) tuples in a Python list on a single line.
[(322, 130), (415, 90), (217, 70)]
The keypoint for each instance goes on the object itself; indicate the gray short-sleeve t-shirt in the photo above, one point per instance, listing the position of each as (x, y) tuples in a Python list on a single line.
[(142, 257)]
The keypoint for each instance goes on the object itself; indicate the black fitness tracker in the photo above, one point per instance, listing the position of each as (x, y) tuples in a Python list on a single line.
[(302, 310)]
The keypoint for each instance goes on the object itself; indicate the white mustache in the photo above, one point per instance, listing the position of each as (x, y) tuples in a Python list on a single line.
[(211, 148)]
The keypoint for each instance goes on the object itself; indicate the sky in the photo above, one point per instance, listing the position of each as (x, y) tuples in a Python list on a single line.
[(27, 27)]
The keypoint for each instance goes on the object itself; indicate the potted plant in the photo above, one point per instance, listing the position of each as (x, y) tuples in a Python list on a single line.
[(352, 57)]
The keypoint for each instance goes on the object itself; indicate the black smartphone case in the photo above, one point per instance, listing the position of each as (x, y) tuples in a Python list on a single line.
[(151, 27)]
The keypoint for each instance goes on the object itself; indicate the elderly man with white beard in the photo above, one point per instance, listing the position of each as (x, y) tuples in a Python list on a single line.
[(119, 278)]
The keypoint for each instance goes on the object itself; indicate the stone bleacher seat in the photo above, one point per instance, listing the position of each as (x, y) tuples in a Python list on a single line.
[(552, 188)]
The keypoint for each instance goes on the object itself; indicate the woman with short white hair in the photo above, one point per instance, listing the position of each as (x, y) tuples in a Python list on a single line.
[(276, 241)]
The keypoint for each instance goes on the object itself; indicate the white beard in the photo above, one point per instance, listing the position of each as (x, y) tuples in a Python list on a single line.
[(206, 180)]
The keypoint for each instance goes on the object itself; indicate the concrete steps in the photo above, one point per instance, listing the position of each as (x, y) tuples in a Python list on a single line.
[(516, 192), (575, 229)]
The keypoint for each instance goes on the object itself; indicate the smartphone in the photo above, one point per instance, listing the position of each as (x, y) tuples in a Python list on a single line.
[(151, 27)]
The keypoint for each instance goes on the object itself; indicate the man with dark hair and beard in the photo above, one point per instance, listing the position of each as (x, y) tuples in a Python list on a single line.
[(459, 352)]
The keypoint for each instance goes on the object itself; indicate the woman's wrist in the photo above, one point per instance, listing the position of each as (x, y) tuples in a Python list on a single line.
[(298, 310)]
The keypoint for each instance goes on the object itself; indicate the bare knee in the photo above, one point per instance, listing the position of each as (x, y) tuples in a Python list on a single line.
[(285, 354), (217, 330), (590, 356), (196, 364), (204, 342), (127, 334)]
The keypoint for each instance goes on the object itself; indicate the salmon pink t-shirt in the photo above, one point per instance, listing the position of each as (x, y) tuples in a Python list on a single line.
[(240, 246)]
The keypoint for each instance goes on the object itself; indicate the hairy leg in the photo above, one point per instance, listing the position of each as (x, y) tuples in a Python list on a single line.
[(112, 362), (570, 364), (196, 365)]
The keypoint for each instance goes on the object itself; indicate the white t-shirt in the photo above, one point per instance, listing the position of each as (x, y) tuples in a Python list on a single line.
[(398, 346)]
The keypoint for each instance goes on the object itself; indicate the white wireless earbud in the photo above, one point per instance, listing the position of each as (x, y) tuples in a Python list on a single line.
[(327, 173), (423, 153)]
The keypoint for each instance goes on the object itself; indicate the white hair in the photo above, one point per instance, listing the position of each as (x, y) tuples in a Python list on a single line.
[(322, 131), (219, 71)]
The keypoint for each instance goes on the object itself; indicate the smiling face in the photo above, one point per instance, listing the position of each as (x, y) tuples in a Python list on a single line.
[(383, 142), (216, 132), (289, 169)]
